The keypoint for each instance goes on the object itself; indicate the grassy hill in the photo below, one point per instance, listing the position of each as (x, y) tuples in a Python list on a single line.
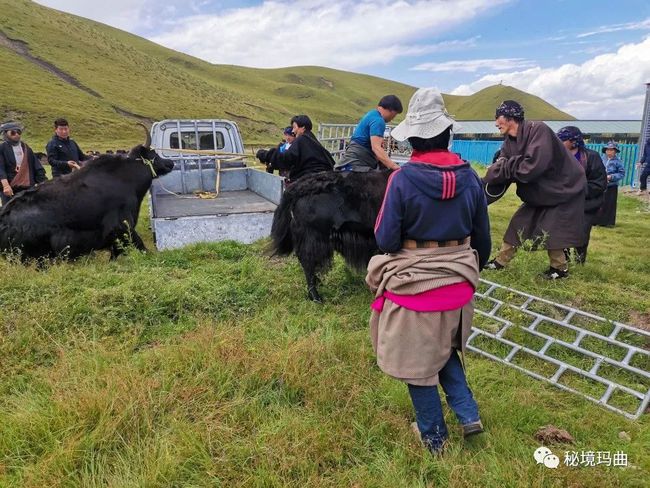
[(481, 105), (103, 80)]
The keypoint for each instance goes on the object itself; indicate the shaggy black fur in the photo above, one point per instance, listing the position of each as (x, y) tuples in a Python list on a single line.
[(327, 212), (95, 207)]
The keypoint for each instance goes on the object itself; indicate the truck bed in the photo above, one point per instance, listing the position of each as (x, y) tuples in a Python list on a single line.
[(243, 210), (228, 202)]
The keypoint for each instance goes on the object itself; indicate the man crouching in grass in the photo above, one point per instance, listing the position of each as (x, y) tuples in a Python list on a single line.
[(434, 225)]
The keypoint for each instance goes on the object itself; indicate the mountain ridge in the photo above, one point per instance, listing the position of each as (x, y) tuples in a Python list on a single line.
[(104, 80)]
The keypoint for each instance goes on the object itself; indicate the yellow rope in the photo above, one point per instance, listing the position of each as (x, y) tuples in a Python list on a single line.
[(239, 156), (206, 153), (218, 161)]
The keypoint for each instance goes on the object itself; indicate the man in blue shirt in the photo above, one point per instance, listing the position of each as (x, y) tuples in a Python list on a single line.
[(365, 151)]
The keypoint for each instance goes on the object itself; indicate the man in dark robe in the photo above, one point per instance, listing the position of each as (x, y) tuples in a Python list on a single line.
[(550, 184), (590, 161)]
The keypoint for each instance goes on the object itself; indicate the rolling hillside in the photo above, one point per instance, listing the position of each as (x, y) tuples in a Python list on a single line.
[(104, 80)]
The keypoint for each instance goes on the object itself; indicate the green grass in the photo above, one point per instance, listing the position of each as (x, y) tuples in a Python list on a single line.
[(208, 367), (144, 78)]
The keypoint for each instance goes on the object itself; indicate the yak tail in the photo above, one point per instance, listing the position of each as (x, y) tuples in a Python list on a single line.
[(357, 248), (282, 241)]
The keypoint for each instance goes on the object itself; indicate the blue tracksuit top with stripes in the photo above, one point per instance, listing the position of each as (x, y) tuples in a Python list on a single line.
[(434, 197)]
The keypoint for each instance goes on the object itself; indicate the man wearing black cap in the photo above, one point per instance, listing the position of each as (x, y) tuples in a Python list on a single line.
[(63, 153), (20, 169), (550, 184), (590, 161)]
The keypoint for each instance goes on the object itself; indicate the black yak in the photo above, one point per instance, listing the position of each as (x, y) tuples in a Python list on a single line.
[(93, 208), (327, 212)]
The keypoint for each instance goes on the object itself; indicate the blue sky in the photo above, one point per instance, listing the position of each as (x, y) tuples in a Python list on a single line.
[(589, 58)]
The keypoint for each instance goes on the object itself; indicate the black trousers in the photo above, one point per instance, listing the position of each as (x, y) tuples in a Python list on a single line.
[(606, 215), (644, 176), (581, 251)]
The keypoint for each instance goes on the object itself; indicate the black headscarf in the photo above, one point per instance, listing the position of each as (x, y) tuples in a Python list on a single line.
[(573, 134), (511, 110)]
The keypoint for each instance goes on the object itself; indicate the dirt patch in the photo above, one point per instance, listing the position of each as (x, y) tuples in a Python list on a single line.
[(126, 113), (183, 62), (21, 48), (10, 114), (549, 434), (256, 107), (326, 82), (243, 118), (640, 320), (293, 78), (644, 196)]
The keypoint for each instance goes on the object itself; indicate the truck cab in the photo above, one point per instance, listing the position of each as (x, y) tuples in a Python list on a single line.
[(171, 137)]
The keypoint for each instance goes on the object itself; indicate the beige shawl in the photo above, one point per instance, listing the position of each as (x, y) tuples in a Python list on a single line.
[(413, 346)]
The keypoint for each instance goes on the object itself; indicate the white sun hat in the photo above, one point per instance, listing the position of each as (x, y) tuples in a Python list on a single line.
[(426, 117)]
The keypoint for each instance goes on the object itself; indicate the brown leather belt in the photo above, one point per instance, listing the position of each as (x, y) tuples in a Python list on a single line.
[(413, 244)]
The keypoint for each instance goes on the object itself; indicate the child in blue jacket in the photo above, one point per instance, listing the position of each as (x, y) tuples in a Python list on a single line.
[(615, 173)]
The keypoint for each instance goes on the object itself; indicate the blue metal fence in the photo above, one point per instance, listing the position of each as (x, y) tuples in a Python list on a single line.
[(482, 152), (476, 151)]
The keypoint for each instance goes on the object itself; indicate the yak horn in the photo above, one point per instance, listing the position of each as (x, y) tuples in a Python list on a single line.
[(147, 142)]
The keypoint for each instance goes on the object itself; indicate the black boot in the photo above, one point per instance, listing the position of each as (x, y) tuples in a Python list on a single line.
[(555, 274)]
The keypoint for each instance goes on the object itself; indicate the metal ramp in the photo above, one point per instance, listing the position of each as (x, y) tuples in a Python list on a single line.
[(604, 361)]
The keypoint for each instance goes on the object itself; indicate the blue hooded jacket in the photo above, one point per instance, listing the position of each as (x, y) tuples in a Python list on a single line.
[(434, 202), (615, 169)]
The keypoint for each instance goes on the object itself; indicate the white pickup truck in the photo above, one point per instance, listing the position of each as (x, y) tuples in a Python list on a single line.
[(208, 163)]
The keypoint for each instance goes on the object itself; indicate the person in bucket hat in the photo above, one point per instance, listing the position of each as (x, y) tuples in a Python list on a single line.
[(611, 145), (433, 225), (426, 117), (20, 169), (550, 184), (615, 173)]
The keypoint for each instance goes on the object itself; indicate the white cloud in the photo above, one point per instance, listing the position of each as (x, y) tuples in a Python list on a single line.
[(129, 15), (344, 34), (610, 85), (123, 14), (643, 25), (471, 65)]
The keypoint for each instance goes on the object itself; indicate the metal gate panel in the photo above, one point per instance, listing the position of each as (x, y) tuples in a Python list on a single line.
[(566, 320)]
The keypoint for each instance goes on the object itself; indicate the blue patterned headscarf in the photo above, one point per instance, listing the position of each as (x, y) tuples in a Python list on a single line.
[(511, 110), (573, 134)]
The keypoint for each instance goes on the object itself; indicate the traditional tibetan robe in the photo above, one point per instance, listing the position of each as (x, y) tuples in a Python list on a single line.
[(550, 184)]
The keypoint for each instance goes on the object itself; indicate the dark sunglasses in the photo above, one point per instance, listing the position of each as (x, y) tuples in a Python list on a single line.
[(14, 132)]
